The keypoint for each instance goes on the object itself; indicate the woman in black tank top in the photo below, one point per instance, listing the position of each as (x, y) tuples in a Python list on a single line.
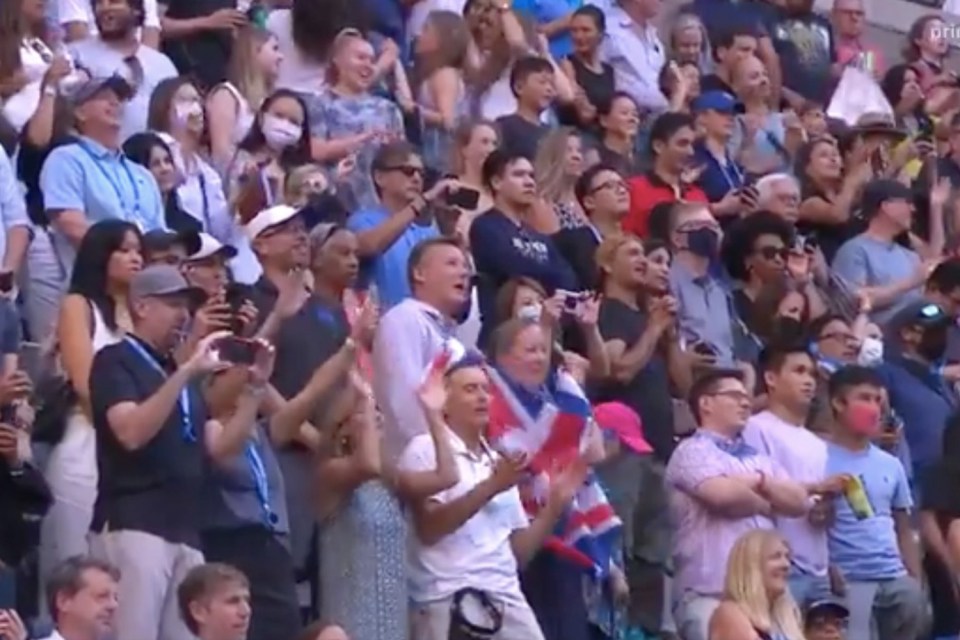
[(593, 79)]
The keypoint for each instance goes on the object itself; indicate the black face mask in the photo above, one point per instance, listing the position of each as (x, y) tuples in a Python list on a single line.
[(933, 344), (703, 242)]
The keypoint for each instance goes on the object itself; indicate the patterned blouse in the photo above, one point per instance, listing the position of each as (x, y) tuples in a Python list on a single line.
[(334, 116)]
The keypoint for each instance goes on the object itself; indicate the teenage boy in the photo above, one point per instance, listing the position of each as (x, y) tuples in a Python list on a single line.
[(532, 83), (214, 601)]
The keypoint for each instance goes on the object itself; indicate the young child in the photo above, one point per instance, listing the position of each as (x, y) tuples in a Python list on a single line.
[(532, 81), (826, 620)]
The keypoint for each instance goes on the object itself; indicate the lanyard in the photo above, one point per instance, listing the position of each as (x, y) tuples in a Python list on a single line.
[(734, 182), (260, 482), (267, 188), (186, 426), (116, 187)]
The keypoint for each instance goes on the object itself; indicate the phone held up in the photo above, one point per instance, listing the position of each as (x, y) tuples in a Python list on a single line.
[(238, 351)]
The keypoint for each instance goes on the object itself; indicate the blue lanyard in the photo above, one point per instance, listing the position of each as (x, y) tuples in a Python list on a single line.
[(260, 482), (737, 180), (186, 424), (97, 160)]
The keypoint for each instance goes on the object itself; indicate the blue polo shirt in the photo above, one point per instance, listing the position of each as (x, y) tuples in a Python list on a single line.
[(924, 403), (103, 184), (389, 270)]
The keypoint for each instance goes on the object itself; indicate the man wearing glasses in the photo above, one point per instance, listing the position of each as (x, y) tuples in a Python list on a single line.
[(720, 487), (387, 234), (605, 198)]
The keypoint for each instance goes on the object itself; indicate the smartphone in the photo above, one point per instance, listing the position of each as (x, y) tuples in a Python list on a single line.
[(235, 296), (236, 350), (8, 413), (464, 197), (926, 130), (6, 281)]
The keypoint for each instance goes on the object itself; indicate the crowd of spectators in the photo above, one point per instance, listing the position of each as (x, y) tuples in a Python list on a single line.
[(449, 319)]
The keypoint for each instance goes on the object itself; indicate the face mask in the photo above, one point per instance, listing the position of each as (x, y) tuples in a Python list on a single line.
[(862, 418), (530, 312), (184, 112), (871, 352), (933, 344), (703, 242), (280, 133)]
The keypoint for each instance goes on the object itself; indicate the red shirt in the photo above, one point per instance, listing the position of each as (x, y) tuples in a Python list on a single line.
[(646, 192)]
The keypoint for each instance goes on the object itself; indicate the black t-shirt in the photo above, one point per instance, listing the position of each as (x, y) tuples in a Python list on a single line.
[(807, 50), (713, 82), (155, 489), (203, 55), (648, 393), (579, 248), (519, 135)]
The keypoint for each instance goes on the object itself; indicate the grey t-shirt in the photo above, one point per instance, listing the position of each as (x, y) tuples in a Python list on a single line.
[(103, 61), (863, 261), (232, 498)]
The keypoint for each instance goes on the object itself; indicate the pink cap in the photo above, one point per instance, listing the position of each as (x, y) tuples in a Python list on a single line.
[(623, 421)]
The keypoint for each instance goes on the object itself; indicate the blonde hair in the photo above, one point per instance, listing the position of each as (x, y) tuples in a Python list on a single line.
[(607, 252), (243, 72), (744, 585), (296, 180), (462, 137), (340, 42), (548, 166)]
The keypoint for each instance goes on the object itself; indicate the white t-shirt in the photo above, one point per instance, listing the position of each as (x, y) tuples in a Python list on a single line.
[(82, 11), (34, 61), (297, 72), (803, 455), (478, 554)]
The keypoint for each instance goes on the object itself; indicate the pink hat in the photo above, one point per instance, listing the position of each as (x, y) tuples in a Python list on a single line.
[(624, 422)]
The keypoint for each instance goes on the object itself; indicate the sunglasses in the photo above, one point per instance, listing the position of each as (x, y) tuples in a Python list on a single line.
[(771, 253), (407, 170)]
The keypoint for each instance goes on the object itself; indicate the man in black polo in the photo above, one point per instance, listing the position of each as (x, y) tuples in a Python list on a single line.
[(278, 236), (152, 434)]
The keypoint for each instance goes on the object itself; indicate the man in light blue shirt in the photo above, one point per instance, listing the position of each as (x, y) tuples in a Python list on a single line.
[(874, 260), (91, 180), (871, 540), (387, 234)]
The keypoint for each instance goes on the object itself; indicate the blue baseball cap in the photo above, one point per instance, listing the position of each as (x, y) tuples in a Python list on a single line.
[(719, 101)]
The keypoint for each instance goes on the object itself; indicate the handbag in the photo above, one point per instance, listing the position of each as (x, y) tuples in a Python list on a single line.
[(462, 627), (54, 398)]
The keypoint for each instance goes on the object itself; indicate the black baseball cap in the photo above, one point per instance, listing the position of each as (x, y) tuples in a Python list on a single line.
[(877, 192)]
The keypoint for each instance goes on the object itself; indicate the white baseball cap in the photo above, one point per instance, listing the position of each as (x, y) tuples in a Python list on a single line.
[(270, 217), (210, 246)]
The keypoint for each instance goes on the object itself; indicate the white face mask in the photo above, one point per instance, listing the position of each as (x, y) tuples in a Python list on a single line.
[(871, 352), (530, 312), (280, 133), (184, 112)]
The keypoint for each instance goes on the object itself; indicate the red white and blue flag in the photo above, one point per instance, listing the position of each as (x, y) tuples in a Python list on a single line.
[(553, 436)]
